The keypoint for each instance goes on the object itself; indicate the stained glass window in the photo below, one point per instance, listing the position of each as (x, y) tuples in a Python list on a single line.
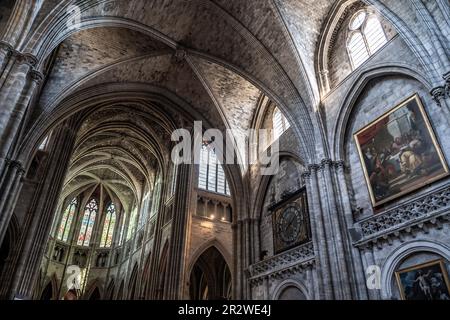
[(108, 227), (66, 221), (87, 224), (365, 38), (211, 175), (280, 124), (132, 224)]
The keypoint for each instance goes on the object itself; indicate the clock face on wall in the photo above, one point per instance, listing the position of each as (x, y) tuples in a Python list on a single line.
[(290, 223)]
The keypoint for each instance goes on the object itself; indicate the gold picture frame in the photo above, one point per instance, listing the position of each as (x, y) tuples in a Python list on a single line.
[(430, 282), (399, 152)]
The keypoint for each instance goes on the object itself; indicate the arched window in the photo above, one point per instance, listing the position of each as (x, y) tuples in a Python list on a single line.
[(211, 175), (280, 123), (366, 36), (66, 221), (108, 226), (44, 144), (87, 224)]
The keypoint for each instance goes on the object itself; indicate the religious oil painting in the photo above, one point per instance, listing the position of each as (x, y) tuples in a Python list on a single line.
[(427, 281), (399, 152)]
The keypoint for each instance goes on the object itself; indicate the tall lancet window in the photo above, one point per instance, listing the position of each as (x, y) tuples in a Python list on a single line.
[(87, 224), (66, 221), (366, 36), (211, 175), (108, 227), (280, 123)]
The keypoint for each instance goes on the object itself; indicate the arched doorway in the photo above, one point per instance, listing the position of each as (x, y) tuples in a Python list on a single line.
[(210, 277), (95, 295), (291, 293), (47, 293), (133, 283)]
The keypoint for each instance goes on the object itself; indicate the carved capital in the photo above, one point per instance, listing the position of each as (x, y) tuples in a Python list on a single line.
[(340, 164), (7, 47), (438, 94), (25, 58), (306, 175), (36, 76), (326, 163), (17, 165)]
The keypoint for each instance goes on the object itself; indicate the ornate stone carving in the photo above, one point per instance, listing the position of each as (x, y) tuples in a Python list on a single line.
[(36, 76), (16, 165), (417, 213), (7, 47), (25, 58), (291, 261), (438, 94)]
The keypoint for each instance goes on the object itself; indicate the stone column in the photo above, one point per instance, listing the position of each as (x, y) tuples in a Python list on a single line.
[(239, 281), (15, 95), (357, 266), (324, 277), (42, 212), (178, 238), (5, 53), (156, 249), (10, 186)]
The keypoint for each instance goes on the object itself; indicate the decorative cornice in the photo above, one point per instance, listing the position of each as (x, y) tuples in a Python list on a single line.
[(286, 263), (417, 214)]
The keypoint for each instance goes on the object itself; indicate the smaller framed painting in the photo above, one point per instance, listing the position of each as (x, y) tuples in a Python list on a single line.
[(428, 281), (399, 152)]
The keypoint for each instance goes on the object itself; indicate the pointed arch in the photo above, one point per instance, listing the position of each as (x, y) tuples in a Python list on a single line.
[(210, 277), (133, 284)]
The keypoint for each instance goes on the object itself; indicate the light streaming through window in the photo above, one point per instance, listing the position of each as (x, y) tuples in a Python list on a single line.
[(108, 227), (211, 175), (66, 221), (280, 124), (87, 224), (366, 37)]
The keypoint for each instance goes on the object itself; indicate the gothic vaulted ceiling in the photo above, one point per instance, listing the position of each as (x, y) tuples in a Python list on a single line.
[(218, 56)]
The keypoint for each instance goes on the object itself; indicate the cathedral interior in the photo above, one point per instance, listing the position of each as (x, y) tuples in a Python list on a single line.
[(353, 98)]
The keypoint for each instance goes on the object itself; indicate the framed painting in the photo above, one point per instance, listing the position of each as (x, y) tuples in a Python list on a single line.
[(428, 281), (399, 152)]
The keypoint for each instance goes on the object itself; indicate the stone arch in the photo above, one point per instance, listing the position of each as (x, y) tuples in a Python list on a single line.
[(213, 243), (50, 290), (298, 112), (120, 292), (333, 19), (352, 95), (94, 291), (393, 261), (289, 283), (212, 274), (133, 287), (264, 182), (109, 295)]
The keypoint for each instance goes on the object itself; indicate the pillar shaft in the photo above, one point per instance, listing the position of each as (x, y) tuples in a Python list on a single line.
[(42, 212)]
